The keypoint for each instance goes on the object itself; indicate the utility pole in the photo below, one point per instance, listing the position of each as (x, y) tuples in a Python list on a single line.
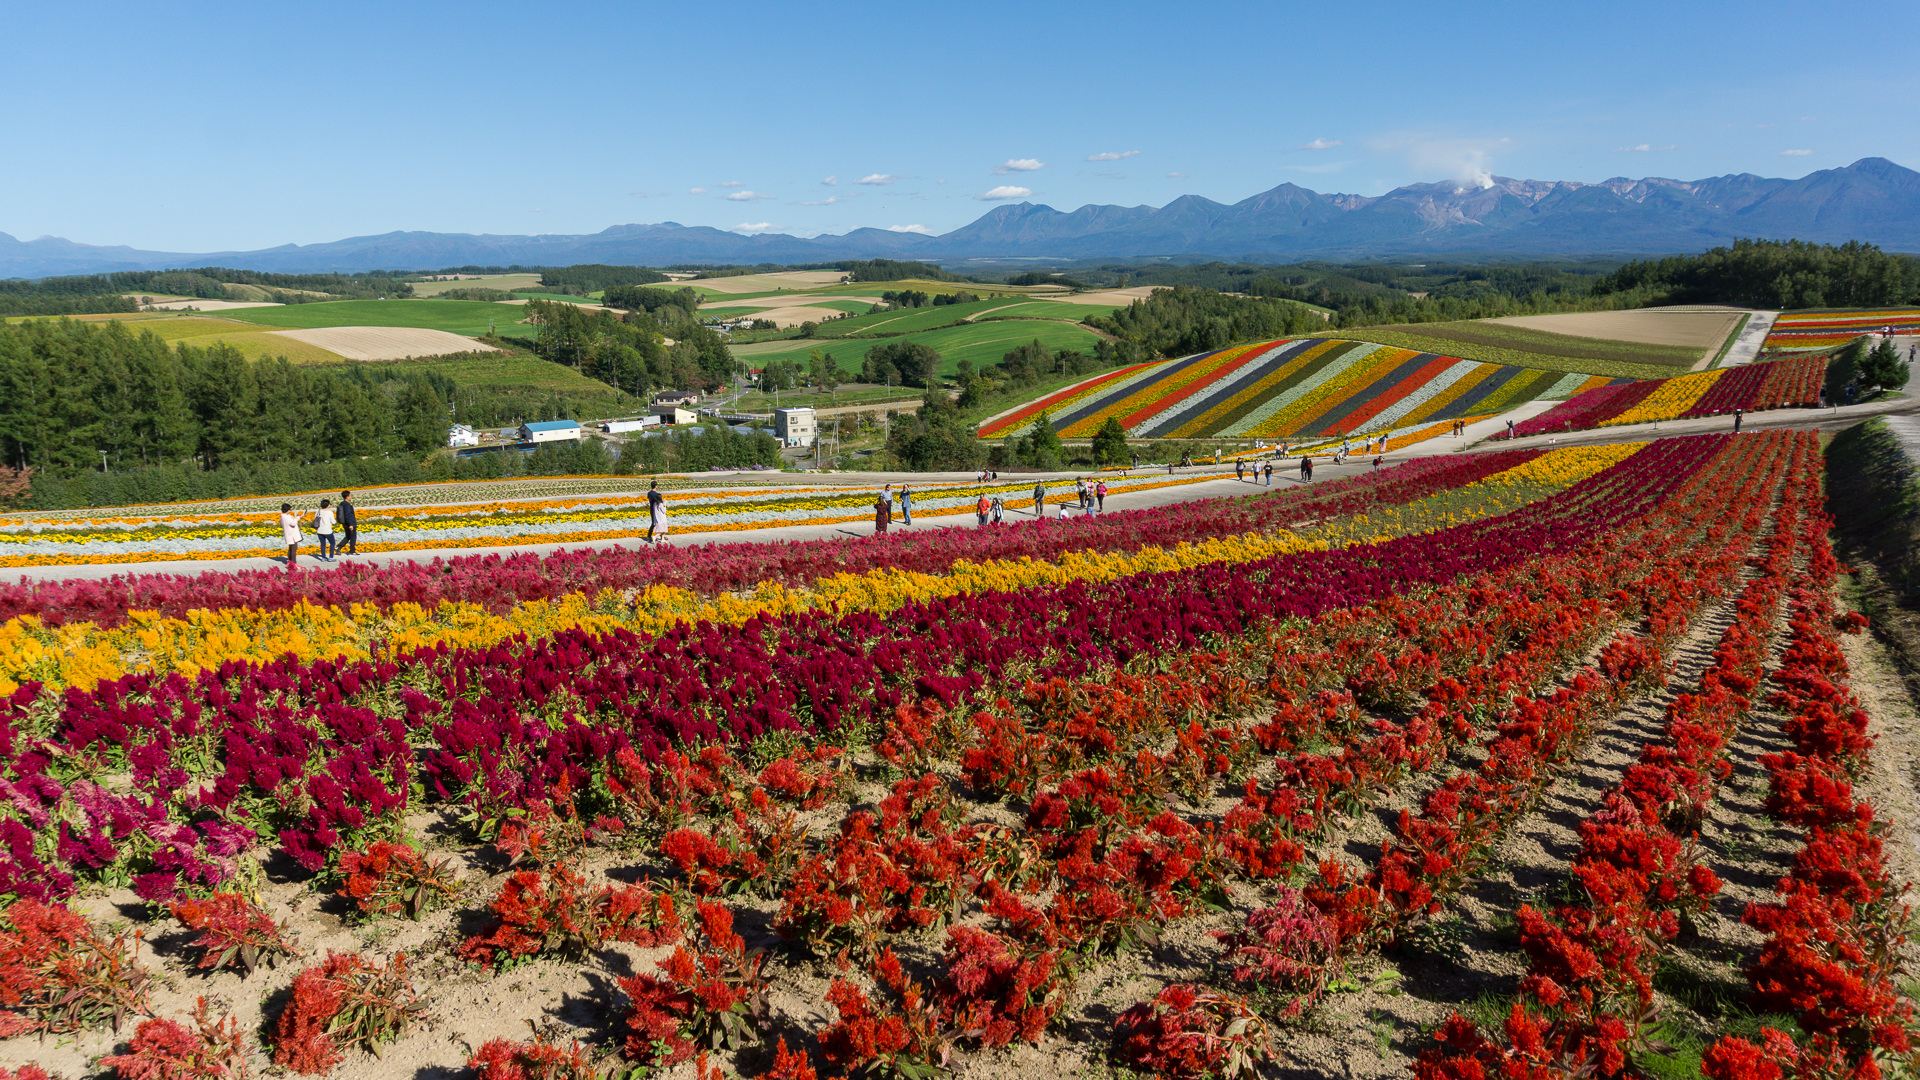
[(103, 461)]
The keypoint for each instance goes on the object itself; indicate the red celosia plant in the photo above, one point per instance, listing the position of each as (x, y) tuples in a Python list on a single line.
[(1289, 947), (234, 931), (394, 879), (713, 996), (58, 974), (556, 915), (1189, 1031), (504, 1059), (788, 1065), (905, 1037), (340, 1004), (999, 992), (26, 1072), (169, 1050)]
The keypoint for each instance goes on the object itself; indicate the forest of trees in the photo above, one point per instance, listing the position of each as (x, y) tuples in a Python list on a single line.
[(590, 278), (1781, 275), (628, 352), (641, 298), (1186, 319), (890, 270), (95, 294)]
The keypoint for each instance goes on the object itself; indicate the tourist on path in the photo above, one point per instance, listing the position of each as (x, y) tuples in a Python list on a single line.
[(290, 533), (1269, 474), (349, 525), (1737, 414), (999, 509), (656, 513), (1101, 494), (323, 528), (882, 513), (1039, 499), (1240, 471), (983, 507), (1306, 467), (906, 504)]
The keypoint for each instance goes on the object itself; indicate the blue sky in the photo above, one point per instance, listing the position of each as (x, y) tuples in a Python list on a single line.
[(230, 127)]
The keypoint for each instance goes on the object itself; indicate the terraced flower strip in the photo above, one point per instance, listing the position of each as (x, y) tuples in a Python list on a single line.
[(1754, 387), (81, 655), (1020, 419), (503, 524), (571, 740), (1588, 994), (1826, 329)]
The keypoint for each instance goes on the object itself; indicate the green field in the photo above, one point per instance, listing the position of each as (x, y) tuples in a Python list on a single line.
[(503, 282), (1496, 343), (1051, 309), (983, 343), (468, 317)]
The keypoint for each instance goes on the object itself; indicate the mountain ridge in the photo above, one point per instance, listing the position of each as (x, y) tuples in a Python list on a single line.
[(1874, 200)]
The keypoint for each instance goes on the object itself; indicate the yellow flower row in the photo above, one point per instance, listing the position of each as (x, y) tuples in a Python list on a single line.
[(82, 654), (1675, 396)]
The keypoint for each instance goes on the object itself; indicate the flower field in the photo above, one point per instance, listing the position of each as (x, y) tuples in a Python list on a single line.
[(1829, 329), (178, 532), (1291, 389), (1165, 791), (1753, 387)]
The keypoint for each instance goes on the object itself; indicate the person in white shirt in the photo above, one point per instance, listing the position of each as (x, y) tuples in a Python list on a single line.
[(323, 528), (290, 533)]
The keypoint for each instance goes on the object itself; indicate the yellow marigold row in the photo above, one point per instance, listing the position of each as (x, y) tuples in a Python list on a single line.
[(82, 654), (1675, 396)]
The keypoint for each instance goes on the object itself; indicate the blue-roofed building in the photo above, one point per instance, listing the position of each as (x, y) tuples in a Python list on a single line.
[(546, 431)]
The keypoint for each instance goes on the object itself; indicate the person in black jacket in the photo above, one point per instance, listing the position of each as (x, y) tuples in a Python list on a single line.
[(349, 543)]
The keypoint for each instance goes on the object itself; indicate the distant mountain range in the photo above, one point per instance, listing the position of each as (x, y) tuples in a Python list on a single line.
[(1872, 199)]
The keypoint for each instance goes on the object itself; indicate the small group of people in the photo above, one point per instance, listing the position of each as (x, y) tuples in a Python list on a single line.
[(883, 508), (1306, 468), (1240, 472), (338, 530), (990, 510)]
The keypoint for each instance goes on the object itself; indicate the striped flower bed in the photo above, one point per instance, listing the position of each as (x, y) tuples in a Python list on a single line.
[(1774, 385), (1825, 329), (1312, 388)]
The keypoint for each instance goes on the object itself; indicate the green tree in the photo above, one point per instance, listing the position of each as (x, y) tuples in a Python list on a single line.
[(935, 440), (1883, 367), (420, 417), (1041, 447), (1110, 442)]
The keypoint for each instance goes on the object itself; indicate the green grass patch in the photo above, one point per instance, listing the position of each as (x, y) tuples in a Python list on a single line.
[(1525, 339), (1428, 338), (983, 343), (468, 317), (503, 282), (1050, 309)]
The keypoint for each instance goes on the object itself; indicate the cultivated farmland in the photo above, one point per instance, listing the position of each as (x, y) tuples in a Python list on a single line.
[(468, 318), (1336, 777)]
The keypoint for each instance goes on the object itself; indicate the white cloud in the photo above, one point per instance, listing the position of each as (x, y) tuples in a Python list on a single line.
[(747, 196), (1796, 153), (1004, 191), (921, 229), (696, 191), (1644, 148), (1176, 176), (828, 201), (1111, 156), (1319, 144), (831, 181), (753, 227), (876, 178), (733, 183), (1019, 165)]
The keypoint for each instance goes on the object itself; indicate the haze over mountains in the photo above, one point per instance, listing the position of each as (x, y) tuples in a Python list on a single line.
[(1873, 200)]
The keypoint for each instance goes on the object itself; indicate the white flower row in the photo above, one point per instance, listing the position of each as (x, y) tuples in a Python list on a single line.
[(1211, 396)]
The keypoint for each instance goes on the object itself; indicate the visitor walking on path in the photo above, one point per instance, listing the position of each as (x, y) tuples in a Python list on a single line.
[(656, 513), (1269, 474), (323, 528), (290, 533), (999, 509), (349, 525), (1737, 414), (882, 513), (1101, 494), (1039, 499), (906, 504), (1240, 471), (983, 507)]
